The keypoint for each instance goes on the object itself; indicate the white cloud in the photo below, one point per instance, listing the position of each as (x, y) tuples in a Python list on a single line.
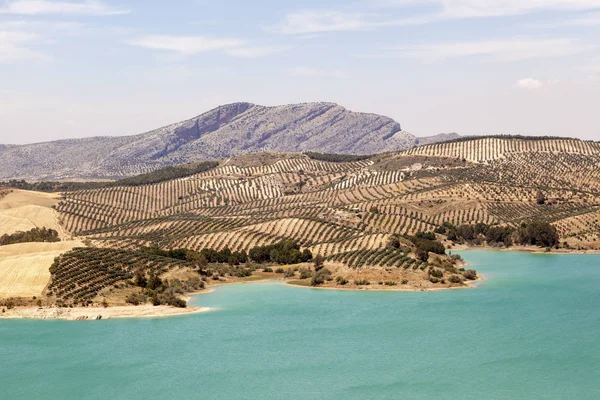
[(187, 45), (306, 22), (495, 50), (529, 83), (486, 8), (14, 47), (313, 21), (585, 20), (495, 8), (191, 45), (303, 71), (41, 7), (255, 52)]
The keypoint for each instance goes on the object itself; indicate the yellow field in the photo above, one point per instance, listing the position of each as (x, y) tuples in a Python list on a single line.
[(24, 268), (23, 211)]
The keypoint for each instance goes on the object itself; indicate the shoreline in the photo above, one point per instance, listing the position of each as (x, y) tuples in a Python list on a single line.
[(526, 249), (149, 311), (99, 313), (379, 288)]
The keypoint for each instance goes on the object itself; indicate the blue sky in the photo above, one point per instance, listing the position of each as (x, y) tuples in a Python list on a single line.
[(86, 68)]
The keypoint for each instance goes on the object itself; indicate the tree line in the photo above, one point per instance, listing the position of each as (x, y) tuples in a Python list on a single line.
[(337, 158), (34, 235), (534, 233), (284, 252)]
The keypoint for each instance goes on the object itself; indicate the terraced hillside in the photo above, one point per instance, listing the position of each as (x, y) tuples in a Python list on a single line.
[(336, 208)]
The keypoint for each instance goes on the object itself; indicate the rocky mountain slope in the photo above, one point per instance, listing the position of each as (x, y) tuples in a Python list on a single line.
[(223, 132)]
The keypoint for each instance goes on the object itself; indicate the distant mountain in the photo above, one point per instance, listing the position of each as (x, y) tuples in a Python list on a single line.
[(442, 137), (223, 132)]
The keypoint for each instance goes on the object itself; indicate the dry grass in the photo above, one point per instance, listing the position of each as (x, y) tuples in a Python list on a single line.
[(24, 268), (22, 211)]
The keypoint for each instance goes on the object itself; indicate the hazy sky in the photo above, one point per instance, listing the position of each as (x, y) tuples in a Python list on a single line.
[(83, 68)]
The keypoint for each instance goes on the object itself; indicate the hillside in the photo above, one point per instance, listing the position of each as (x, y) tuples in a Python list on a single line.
[(226, 131), (365, 216), (262, 198)]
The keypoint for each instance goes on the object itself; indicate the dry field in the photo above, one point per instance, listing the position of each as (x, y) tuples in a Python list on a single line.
[(22, 211), (25, 268)]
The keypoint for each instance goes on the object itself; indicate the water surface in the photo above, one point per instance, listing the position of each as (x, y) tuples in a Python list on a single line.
[(529, 331)]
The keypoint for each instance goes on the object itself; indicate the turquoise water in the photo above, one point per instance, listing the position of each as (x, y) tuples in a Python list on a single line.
[(529, 331)]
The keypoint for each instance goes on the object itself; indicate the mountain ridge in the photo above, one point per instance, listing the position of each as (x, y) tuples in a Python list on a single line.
[(225, 131)]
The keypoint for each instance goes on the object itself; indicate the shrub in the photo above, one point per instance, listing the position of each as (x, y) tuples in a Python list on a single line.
[(425, 235), (362, 282), (433, 279), (470, 274), (436, 273), (404, 281), (305, 273), (288, 273), (320, 277), (319, 261), (136, 299), (455, 279), (341, 281)]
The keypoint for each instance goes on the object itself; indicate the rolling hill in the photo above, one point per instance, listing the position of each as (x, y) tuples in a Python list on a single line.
[(365, 215)]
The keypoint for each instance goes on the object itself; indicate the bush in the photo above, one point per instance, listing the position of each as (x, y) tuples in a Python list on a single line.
[(320, 277), (136, 299), (362, 282), (433, 279), (436, 273), (405, 281), (425, 235), (288, 273), (305, 273), (426, 245), (319, 261), (341, 281), (470, 274), (455, 279)]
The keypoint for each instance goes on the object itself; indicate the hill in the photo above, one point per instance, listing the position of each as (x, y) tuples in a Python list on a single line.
[(226, 131), (334, 207), (383, 220)]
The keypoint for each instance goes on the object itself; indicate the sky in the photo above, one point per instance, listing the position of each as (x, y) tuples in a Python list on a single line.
[(104, 67)]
